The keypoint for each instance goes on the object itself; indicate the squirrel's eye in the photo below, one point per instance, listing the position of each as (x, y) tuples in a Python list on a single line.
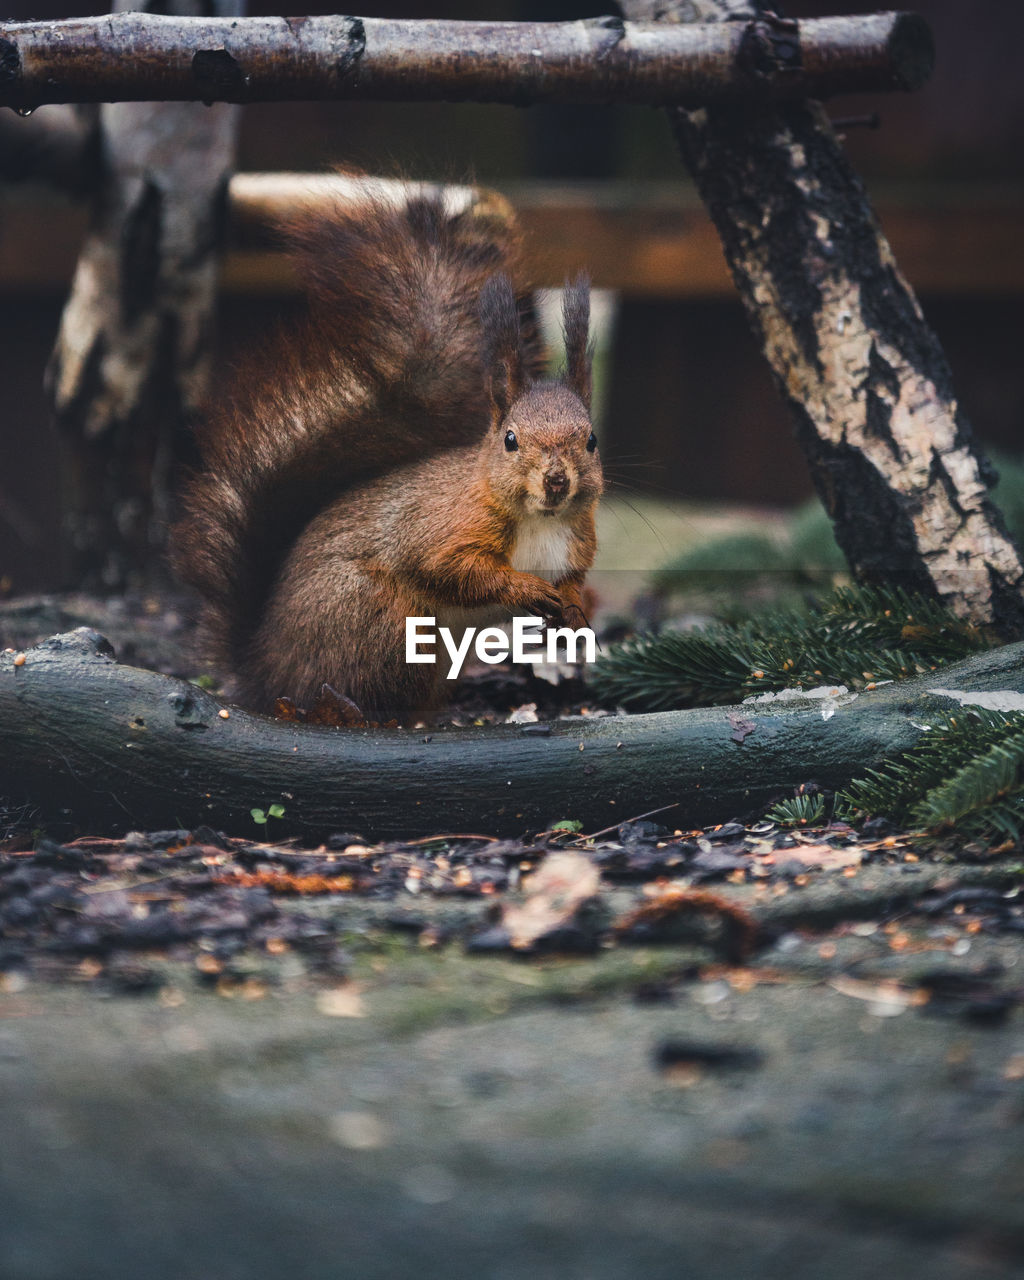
[(591, 443), (511, 443)]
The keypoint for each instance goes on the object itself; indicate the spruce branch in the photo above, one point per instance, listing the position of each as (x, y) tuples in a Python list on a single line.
[(983, 781), (799, 811), (965, 774), (857, 636)]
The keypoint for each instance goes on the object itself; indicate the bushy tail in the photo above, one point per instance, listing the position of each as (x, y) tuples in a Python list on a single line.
[(386, 369)]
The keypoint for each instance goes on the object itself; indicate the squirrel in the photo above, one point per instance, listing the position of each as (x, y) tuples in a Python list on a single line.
[(397, 455)]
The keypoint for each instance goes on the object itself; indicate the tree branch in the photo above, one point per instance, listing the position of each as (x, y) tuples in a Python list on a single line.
[(108, 748), (148, 57)]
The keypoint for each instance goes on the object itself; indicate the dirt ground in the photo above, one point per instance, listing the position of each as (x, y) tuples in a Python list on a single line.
[(728, 1053)]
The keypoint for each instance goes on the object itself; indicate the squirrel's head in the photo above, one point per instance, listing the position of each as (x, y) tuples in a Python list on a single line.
[(542, 455)]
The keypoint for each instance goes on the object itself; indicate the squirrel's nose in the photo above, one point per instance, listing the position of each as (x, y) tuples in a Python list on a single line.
[(556, 483)]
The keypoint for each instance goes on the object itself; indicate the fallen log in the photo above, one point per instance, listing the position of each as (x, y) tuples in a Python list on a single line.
[(91, 745), (154, 57)]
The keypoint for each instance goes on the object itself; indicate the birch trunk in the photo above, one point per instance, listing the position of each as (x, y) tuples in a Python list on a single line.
[(131, 361), (890, 450)]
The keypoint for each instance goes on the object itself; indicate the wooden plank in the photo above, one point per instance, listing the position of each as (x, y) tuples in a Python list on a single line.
[(646, 240)]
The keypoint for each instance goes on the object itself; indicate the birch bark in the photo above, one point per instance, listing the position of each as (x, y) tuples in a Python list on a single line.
[(131, 361), (890, 450)]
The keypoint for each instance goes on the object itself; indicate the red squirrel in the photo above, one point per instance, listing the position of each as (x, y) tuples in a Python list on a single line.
[(394, 457)]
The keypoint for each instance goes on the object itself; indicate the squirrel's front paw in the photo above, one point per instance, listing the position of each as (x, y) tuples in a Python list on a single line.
[(543, 600), (574, 617)]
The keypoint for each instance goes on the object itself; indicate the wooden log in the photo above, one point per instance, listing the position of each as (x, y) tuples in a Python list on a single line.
[(130, 366), (646, 239), (655, 239), (105, 748), (148, 57), (890, 451)]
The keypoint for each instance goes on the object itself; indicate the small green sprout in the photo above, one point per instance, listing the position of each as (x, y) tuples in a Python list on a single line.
[(260, 816), (799, 811)]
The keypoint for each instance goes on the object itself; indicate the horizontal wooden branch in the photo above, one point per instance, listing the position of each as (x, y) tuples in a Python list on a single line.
[(106, 748), (151, 57), (645, 239)]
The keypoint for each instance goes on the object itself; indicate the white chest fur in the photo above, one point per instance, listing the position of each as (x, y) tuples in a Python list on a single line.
[(542, 547)]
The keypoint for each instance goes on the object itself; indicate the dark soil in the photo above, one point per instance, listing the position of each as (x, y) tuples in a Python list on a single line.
[(127, 914)]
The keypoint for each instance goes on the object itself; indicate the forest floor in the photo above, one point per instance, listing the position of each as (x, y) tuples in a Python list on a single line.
[(737, 1052), (717, 1057)]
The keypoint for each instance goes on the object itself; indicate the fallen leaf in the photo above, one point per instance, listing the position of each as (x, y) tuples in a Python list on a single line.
[(671, 903), (553, 896), (820, 857), (886, 997), (332, 708), (341, 1002), (740, 728), (526, 714)]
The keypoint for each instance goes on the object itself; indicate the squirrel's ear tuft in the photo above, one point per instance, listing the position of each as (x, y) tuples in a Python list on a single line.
[(576, 326), (504, 356)]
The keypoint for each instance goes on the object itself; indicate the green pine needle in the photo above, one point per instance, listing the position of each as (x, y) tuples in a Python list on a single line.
[(799, 811), (981, 782), (965, 773), (855, 636), (900, 782)]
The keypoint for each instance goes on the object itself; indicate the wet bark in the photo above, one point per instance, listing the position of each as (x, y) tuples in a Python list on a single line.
[(131, 361), (107, 748), (890, 450), (149, 56)]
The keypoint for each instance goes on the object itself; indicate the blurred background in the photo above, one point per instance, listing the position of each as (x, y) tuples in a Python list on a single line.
[(692, 429)]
